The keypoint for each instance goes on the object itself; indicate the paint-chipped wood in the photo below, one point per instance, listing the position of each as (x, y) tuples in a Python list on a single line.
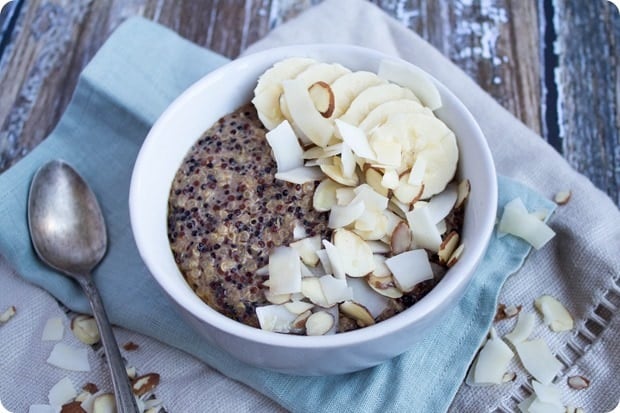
[(497, 42)]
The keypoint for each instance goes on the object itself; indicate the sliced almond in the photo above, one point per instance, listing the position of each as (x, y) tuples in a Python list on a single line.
[(456, 255), (72, 407), (298, 307), (318, 152), (319, 323), (104, 403), (408, 194), (562, 197), (555, 315), (323, 97), (357, 258), (84, 328), (384, 286), (307, 248), (401, 238), (447, 247), (509, 376), (335, 172), (335, 290), (277, 298), (311, 289), (7, 314), (357, 312), (374, 178), (145, 383), (463, 190), (324, 197), (578, 382)]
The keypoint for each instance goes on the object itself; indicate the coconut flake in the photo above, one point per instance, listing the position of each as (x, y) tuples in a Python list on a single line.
[(441, 204), (417, 171), (312, 290), (538, 406), (301, 175), (524, 406), (69, 358), (303, 112), (336, 263), (410, 268), (307, 248), (523, 329), (325, 195), (538, 360), (62, 392), (342, 215), (284, 271), (412, 78), (517, 221), (348, 161), (363, 294), (424, 229), (298, 307), (356, 256), (275, 318), (492, 361), (549, 394), (53, 330), (299, 232), (335, 290), (356, 139), (285, 146), (555, 315)]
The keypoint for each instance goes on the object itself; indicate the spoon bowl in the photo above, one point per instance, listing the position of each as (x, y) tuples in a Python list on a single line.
[(68, 233)]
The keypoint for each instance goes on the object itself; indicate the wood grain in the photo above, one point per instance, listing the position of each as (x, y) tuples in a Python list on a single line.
[(497, 42)]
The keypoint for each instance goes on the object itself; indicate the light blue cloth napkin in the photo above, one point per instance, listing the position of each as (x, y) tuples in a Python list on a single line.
[(135, 75)]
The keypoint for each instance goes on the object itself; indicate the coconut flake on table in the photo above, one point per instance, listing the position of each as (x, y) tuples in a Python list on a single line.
[(53, 330), (517, 221), (492, 361), (285, 147), (523, 329), (69, 358), (62, 392), (538, 360)]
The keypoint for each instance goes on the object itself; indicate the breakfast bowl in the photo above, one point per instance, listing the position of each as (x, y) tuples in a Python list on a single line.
[(223, 91)]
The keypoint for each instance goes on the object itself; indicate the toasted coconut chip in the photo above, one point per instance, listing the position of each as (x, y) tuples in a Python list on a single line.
[(312, 290), (516, 220), (538, 360), (357, 258), (578, 382), (410, 268), (284, 271), (317, 152), (463, 191), (62, 392), (298, 307), (343, 215), (69, 358), (301, 107), (413, 78), (447, 247), (335, 260), (301, 175), (424, 230), (523, 329), (285, 147), (357, 312), (324, 197), (8, 314), (492, 362), (549, 394), (335, 290), (84, 328), (275, 318), (374, 178), (456, 255), (53, 330), (562, 197), (323, 97), (401, 238), (307, 248), (319, 323), (356, 139), (441, 204), (555, 315)]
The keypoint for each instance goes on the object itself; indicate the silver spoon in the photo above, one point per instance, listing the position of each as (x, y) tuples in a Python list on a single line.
[(68, 234)]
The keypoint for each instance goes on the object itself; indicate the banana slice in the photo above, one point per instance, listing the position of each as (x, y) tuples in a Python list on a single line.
[(317, 72), (372, 97), (379, 115), (347, 87), (269, 88), (424, 136)]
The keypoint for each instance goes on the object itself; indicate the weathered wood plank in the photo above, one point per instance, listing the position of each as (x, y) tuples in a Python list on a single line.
[(588, 81)]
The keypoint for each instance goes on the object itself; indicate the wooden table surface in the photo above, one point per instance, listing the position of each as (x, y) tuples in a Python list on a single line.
[(552, 63)]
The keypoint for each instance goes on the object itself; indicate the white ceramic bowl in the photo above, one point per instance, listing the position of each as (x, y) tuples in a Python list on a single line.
[(221, 92)]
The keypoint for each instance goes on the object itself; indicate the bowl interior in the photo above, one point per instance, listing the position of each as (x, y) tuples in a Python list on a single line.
[(231, 86)]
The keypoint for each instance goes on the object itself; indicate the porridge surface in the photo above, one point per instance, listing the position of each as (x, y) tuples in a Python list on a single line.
[(227, 211)]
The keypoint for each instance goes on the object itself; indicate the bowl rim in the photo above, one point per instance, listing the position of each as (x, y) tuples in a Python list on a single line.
[(465, 267)]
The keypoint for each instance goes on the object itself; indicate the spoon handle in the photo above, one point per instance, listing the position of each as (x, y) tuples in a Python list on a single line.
[(125, 400)]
